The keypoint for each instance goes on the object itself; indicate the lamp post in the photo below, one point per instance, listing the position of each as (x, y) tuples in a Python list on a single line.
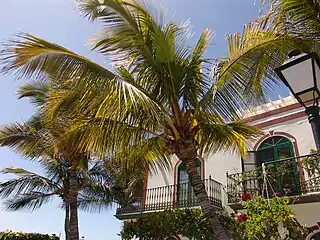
[(301, 74)]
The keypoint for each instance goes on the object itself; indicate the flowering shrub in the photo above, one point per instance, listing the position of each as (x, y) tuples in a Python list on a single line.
[(268, 219), (9, 235), (264, 220)]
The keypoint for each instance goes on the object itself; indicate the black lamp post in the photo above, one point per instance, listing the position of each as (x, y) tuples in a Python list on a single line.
[(301, 74)]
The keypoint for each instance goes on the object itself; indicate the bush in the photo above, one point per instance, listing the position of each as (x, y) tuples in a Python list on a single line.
[(264, 219), (190, 223), (269, 219), (9, 235)]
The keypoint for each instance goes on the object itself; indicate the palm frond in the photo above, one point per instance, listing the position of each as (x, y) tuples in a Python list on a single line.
[(216, 135), (28, 201), (297, 17), (23, 138), (30, 56), (25, 183), (36, 91), (248, 73), (96, 198)]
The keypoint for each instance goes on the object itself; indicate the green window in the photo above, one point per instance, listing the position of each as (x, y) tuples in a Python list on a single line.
[(185, 195), (285, 175), (274, 148)]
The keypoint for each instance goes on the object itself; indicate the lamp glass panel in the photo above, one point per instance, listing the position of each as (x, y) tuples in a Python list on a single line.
[(299, 76), (317, 70), (308, 96)]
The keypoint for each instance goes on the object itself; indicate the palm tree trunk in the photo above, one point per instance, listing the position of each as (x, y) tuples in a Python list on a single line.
[(73, 200), (188, 155), (67, 220)]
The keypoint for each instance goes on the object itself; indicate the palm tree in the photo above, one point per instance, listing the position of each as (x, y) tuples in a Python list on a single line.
[(29, 190), (99, 188), (35, 140), (161, 96)]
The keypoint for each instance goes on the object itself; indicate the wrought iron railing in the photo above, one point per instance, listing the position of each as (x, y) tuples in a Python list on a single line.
[(287, 177), (173, 196)]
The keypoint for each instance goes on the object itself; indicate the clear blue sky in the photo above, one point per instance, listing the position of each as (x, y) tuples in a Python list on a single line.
[(59, 22)]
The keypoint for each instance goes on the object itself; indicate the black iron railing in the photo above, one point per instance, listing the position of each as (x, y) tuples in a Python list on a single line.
[(173, 196), (287, 177)]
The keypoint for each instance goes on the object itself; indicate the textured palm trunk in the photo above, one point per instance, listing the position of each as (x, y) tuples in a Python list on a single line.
[(73, 200), (66, 220), (188, 155)]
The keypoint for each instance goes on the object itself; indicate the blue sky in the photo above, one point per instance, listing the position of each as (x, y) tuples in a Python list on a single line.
[(59, 22)]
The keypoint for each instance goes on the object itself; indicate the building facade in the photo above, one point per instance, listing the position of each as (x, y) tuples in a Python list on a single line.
[(286, 144)]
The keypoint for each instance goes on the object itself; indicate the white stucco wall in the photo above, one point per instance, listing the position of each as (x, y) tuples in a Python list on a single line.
[(308, 213), (162, 177), (217, 165)]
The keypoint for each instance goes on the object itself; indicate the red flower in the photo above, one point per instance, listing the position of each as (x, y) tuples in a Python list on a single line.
[(246, 197), (277, 194), (241, 218)]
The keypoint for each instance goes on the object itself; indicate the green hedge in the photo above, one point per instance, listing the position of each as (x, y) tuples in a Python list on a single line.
[(9, 235)]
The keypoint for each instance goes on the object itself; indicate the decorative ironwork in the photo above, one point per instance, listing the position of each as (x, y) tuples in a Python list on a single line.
[(287, 177), (173, 196)]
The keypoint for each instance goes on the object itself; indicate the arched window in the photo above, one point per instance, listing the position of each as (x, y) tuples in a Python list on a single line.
[(185, 195), (285, 176), (274, 148)]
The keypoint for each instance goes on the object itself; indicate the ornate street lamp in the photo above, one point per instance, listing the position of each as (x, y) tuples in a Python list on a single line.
[(301, 74)]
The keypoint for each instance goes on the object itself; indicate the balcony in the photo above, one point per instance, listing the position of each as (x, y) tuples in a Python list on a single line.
[(293, 177), (171, 197)]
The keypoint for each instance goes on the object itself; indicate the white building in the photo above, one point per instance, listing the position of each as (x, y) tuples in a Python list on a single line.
[(287, 135)]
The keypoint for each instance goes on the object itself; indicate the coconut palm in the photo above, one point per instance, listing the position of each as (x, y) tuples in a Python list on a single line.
[(30, 190), (161, 96), (95, 189), (99, 188), (35, 140)]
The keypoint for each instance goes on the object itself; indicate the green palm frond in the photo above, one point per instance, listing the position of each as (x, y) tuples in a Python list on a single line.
[(121, 134), (254, 54), (36, 91), (108, 183), (30, 56), (249, 69), (96, 198), (26, 182), (217, 136), (23, 138), (297, 17), (28, 201)]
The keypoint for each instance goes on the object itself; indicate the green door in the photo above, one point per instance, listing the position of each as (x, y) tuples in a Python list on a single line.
[(284, 177)]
